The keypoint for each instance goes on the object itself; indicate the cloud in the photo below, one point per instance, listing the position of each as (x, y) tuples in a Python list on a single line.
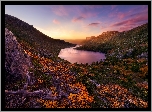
[(85, 11), (139, 13), (131, 23), (94, 24), (89, 14), (90, 11), (60, 10), (137, 19), (121, 23), (77, 19), (56, 21), (142, 10), (121, 15), (127, 28)]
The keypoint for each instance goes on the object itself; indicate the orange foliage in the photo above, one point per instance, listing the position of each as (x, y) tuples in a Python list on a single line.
[(82, 99), (144, 69), (142, 85), (141, 60), (40, 81), (91, 74), (129, 60), (126, 72), (79, 100), (48, 103), (117, 95)]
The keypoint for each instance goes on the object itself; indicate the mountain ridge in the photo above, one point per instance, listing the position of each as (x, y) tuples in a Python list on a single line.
[(105, 39)]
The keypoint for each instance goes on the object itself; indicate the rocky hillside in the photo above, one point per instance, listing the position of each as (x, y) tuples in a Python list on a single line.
[(17, 63), (17, 66)]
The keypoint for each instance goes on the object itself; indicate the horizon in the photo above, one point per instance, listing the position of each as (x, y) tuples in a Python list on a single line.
[(80, 21)]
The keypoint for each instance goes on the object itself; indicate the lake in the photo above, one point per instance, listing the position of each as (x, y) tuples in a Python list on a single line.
[(80, 56)]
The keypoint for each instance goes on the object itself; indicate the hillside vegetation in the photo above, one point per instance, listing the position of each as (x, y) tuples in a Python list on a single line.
[(125, 66)]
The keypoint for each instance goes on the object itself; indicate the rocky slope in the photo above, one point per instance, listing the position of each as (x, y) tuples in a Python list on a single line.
[(17, 63), (17, 66)]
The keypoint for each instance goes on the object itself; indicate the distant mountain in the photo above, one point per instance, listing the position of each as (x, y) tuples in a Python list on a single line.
[(107, 34), (112, 40), (34, 40), (74, 41)]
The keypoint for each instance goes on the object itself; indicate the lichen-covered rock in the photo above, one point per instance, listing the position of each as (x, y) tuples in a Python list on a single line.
[(17, 63)]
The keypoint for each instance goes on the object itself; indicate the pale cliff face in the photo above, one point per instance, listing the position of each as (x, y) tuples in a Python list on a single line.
[(17, 63)]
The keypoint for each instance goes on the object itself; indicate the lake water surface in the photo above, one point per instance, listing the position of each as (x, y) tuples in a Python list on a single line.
[(72, 55)]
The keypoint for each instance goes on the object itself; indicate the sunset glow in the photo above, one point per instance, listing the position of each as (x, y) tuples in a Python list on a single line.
[(80, 21)]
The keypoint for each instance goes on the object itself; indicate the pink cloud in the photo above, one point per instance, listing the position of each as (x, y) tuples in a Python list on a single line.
[(85, 11), (89, 14), (90, 11), (112, 15), (77, 19), (137, 19), (143, 12), (94, 24), (126, 28), (121, 15), (56, 21), (60, 10), (132, 22), (138, 11)]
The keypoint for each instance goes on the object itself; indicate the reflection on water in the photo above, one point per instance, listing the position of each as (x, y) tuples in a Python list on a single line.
[(80, 56)]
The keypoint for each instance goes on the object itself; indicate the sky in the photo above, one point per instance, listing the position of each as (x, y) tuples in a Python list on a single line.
[(79, 21)]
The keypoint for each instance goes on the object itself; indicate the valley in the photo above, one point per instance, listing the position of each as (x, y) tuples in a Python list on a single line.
[(120, 81)]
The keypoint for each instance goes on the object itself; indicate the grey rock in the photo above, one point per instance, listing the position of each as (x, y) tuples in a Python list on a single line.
[(17, 63)]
